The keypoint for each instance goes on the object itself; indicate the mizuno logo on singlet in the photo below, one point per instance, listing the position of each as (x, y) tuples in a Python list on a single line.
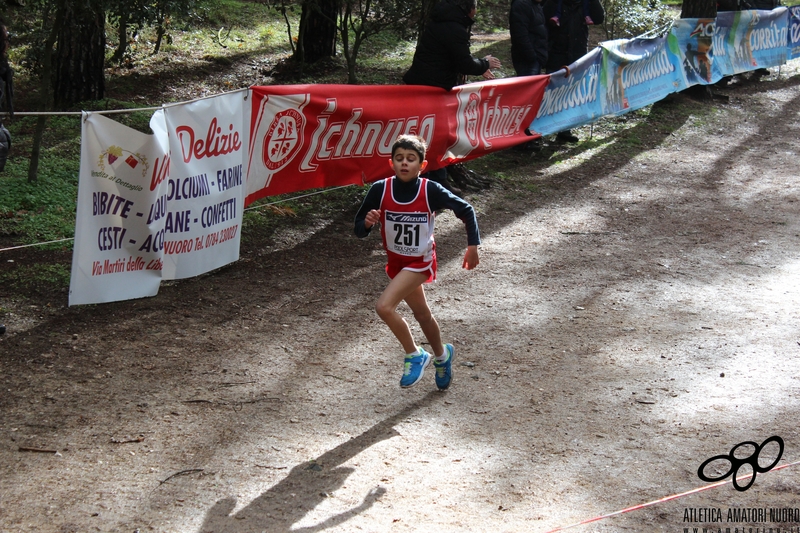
[(414, 218)]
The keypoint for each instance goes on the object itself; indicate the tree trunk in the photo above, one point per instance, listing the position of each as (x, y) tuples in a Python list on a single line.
[(45, 101), (317, 37), (161, 30), (699, 9), (80, 54), (122, 33)]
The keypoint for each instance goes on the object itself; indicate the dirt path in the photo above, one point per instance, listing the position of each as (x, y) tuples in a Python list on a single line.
[(635, 313)]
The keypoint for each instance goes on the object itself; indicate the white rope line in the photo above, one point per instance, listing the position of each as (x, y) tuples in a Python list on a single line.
[(658, 31), (248, 209), (295, 198), (37, 244)]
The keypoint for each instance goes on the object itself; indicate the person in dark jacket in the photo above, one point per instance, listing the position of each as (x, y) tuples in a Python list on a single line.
[(442, 57), (526, 24), (569, 40), (528, 29)]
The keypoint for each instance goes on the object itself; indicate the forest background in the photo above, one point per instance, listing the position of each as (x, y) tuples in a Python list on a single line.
[(112, 55), (634, 314)]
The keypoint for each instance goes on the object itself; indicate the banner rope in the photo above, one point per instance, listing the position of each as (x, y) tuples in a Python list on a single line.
[(248, 209), (297, 197), (662, 500), (37, 244)]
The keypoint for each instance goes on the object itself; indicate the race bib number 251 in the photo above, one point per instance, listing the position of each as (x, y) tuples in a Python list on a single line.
[(407, 233)]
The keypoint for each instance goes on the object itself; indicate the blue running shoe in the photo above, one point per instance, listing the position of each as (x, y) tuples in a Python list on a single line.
[(414, 368), (444, 371)]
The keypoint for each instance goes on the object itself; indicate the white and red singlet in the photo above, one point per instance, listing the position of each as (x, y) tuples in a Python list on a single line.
[(407, 232)]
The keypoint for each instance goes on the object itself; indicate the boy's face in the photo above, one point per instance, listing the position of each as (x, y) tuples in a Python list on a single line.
[(406, 164)]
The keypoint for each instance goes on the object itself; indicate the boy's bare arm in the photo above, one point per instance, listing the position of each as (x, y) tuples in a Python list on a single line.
[(471, 259)]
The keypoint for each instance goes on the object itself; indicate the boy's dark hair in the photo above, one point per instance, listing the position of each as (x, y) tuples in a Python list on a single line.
[(411, 142)]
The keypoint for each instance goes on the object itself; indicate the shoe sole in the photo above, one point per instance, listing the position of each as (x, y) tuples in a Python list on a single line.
[(421, 373)]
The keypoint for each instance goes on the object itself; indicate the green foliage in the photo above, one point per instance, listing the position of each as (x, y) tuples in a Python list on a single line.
[(361, 20), (35, 277), (43, 210), (633, 18), (253, 33), (227, 13)]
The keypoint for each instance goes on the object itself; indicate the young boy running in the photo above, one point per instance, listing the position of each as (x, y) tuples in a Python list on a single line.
[(405, 205)]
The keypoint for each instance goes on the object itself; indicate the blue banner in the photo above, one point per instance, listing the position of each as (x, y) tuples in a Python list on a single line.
[(628, 74), (636, 73), (747, 40), (793, 46), (693, 39), (571, 97)]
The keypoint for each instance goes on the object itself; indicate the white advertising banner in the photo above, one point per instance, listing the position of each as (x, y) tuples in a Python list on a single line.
[(119, 227), (205, 187)]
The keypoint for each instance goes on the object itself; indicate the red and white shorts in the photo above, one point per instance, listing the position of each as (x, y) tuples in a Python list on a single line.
[(396, 263)]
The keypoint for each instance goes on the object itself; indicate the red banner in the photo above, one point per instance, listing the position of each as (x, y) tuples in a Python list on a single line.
[(313, 136)]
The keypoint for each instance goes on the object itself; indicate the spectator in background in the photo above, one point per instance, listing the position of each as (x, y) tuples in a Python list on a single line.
[(443, 58), (556, 19), (528, 29), (526, 23), (569, 40), (766, 5)]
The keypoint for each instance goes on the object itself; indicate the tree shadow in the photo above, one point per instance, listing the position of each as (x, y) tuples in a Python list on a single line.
[(306, 486)]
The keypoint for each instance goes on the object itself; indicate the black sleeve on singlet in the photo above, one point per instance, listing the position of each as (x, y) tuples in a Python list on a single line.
[(371, 201), (441, 198)]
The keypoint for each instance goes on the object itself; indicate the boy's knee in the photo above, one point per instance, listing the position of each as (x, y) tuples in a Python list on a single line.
[(383, 310), (423, 316)]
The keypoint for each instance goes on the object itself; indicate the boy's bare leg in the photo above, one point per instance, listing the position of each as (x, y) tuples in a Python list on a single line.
[(400, 288), (422, 313)]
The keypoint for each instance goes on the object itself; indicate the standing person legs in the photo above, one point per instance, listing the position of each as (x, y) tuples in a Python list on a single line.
[(528, 69), (440, 176)]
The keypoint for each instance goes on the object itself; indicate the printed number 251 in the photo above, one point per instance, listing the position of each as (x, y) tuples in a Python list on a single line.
[(406, 234)]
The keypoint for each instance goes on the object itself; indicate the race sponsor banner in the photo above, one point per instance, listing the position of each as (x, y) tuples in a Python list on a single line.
[(636, 73), (170, 204), (571, 98), (747, 40), (793, 45), (205, 188), (119, 223), (693, 41), (311, 136)]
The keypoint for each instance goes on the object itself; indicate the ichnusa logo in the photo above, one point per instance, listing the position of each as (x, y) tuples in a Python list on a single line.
[(283, 139), (737, 463)]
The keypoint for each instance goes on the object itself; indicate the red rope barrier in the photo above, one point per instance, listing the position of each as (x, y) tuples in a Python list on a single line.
[(662, 500)]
